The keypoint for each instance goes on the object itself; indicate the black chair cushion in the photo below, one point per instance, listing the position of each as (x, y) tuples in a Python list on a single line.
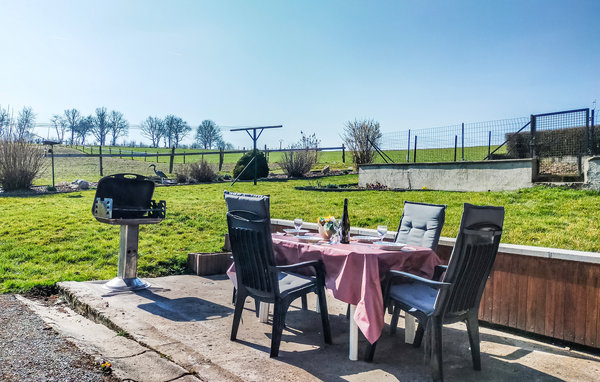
[(291, 282)]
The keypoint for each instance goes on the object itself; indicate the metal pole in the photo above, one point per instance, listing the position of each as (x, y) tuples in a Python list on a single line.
[(343, 153), (463, 140), (455, 146), (255, 162), (100, 155), (489, 143), (532, 137), (588, 143), (52, 155), (594, 151), (408, 150), (415, 151)]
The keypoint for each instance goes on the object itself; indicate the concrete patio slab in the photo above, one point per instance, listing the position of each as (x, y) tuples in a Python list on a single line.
[(187, 320)]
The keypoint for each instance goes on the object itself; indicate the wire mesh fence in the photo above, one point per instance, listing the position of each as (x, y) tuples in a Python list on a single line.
[(559, 140), (465, 141)]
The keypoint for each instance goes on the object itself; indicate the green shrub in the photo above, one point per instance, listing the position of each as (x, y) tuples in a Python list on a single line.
[(261, 163)]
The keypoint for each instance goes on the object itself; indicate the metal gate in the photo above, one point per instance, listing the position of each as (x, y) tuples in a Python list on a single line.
[(559, 141)]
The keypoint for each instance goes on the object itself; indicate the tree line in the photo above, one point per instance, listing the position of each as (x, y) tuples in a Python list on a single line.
[(73, 127)]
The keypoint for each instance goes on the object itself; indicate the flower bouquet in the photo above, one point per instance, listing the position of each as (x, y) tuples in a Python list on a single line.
[(327, 226)]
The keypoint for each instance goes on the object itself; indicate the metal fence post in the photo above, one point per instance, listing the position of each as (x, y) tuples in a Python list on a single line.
[(463, 140), (100, 156), (172, 158), (588, 135), (532, 137), (408, 148), (455, 146), (593, 135), (415, 151), (489, 143), (221, 157), (343, 153)]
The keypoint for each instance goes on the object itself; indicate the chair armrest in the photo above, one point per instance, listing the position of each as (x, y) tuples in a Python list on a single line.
[(316, 264), (431, 283), (438, 271)]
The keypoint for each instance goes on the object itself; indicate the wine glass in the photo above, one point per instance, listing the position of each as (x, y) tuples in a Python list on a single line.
[(381, 230), (298, 224)]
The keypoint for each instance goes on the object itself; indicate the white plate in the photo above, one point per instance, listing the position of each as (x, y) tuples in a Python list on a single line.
[(293, 231), (365, 239), (391, 246), (309, 239)]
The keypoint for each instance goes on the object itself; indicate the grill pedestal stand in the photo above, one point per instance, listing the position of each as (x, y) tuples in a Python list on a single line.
[(127, 279), (128, 253)]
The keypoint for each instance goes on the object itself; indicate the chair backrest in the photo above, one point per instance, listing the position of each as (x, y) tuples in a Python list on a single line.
[(252, 249), (421, 224), (472, 259), (257, 204)]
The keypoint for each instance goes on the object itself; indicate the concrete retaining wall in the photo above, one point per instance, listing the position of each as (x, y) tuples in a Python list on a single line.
[(497, 175), (591, 171)]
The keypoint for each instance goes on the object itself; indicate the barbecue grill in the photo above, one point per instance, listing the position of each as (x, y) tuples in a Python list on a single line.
[(126, 200)]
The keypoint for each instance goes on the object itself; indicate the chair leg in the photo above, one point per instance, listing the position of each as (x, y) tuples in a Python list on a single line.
[(304, 303), (436, 349), (371, 352), (233, 296), (280, 310), (473, 330), (394, 322), (324, 315), (237, 315), (418, 335), (257, 307)]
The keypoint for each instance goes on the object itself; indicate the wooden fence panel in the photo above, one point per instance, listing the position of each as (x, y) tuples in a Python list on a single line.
[(547, 296)]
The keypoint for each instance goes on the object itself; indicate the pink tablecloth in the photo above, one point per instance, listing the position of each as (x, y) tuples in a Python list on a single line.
[(353, 273)]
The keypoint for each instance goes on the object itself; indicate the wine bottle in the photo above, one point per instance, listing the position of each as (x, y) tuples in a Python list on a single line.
[(345, 239)]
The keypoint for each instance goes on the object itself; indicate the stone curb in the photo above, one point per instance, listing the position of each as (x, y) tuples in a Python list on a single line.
[(129, 359)]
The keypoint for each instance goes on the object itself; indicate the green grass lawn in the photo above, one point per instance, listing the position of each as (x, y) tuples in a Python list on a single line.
[(88, 168), (45, 239)]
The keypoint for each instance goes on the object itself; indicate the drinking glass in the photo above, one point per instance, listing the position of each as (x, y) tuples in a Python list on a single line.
[(381, 230), (298, 224)]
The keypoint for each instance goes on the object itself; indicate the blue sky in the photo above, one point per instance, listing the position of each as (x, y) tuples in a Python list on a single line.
[(308, 65)]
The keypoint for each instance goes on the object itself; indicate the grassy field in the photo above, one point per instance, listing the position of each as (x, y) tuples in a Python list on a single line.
[(88, 168), (69, 169), (45, 239)]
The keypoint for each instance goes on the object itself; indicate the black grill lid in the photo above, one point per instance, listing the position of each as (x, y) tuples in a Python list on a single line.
[(131, 195)]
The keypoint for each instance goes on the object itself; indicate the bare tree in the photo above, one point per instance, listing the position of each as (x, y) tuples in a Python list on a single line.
[(5, 121), (208, 134), (25, 122), (176, 128), (72, 116), (60, 125), (84, 127), (152, 128), (118, 125), (360, 136), (100, 126)]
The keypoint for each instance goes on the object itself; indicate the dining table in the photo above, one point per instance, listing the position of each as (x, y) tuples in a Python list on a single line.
[(354, 273)]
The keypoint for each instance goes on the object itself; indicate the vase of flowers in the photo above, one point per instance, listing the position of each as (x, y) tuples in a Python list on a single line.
[(327, 226)]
